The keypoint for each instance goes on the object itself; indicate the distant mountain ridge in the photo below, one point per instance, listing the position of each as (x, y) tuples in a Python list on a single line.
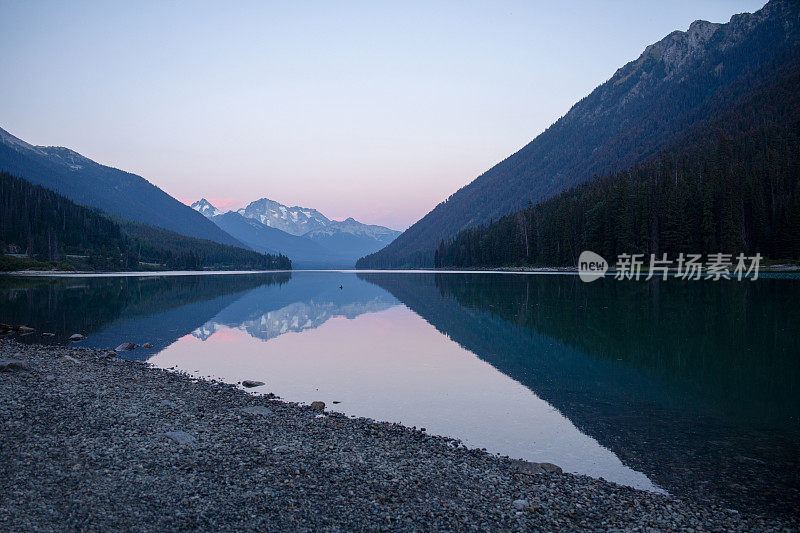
[(113, 191), (310, 222), (684, 79), (304, 234)]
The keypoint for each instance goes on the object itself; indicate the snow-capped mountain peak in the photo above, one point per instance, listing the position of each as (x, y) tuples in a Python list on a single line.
[(295, 220), (264, 224), (205, 208), (305, 221)]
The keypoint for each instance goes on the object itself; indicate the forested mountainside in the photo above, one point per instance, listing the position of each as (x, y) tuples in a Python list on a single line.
[(42, 225), (684, 79), (113, 191), (730, 186)]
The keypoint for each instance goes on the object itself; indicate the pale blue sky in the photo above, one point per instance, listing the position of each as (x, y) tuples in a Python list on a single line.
[(377, 110)]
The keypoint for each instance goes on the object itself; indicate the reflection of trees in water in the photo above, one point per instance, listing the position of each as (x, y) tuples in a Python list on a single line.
[(69, 305), (692, 383), (731, 343)]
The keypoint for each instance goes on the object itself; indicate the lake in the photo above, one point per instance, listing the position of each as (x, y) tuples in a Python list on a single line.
[(686, 387)]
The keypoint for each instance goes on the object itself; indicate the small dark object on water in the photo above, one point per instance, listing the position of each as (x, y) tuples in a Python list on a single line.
[(250, 383), (340, 287), (147, 345), (48, 334), (336, 401)]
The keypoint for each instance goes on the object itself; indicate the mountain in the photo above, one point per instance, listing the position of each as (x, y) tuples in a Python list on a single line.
[(266, 239), (115, 192), (307, 236), (37, 224), (349, 235), (293, 220), (205, 208), (303, 252), (732, 186), (683, 80), (353, 238)]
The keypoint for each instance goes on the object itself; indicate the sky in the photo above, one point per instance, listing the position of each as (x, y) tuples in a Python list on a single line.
[(375, 110)]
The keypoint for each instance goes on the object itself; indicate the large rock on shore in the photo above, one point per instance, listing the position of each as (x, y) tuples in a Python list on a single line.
[(527, 467), (8, 365), (125, 347)]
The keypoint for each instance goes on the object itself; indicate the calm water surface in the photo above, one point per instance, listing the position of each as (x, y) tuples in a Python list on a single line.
[(692, 388)]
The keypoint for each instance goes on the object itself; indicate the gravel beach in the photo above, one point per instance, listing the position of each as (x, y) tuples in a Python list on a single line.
[(90, 442)]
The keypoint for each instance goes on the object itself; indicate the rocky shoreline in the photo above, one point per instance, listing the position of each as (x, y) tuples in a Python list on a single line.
[(91, 442)]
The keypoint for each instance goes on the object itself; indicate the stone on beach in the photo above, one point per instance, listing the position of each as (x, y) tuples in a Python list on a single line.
[(75, 337), (530, 468), (181, 437), (521, 505), (258, 410), (8, 365), (249, 383), (318, 406), (125, 347)]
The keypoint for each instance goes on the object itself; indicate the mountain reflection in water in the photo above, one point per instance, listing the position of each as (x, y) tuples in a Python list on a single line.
[(687, 386)]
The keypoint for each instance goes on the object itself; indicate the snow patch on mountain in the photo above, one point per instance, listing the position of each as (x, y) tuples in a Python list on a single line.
[(304, 221), (205, 208)]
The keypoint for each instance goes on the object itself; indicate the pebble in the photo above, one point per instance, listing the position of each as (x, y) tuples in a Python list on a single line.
[(181, 437), (258, 410), (250, 383), (521, 505)]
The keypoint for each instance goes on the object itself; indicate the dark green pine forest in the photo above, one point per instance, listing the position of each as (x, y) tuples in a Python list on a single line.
[(731, 184), (40, 228)]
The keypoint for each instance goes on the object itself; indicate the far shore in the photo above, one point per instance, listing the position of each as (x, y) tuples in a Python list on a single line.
[(777, 268)]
